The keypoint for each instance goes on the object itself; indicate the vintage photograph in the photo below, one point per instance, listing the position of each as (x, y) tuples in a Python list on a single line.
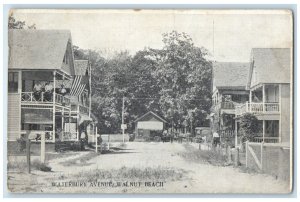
[(150, 101)]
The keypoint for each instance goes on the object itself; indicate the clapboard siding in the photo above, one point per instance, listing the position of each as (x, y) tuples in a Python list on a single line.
[(14, 118)]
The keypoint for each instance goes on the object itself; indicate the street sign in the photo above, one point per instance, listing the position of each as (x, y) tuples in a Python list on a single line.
[(123, 126)]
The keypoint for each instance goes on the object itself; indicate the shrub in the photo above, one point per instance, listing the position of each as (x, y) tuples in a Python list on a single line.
[(249, 126), (21, 144)]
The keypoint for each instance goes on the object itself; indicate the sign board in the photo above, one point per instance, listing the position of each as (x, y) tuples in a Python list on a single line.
[(123, 126)]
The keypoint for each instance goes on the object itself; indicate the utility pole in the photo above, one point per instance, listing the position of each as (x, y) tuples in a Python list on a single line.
[(123, 128)]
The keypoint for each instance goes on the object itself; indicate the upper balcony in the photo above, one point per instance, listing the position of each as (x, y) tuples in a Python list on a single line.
[(257, 108), (44, 98)]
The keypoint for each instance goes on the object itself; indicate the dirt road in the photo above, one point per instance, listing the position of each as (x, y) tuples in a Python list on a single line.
[(123, 172)]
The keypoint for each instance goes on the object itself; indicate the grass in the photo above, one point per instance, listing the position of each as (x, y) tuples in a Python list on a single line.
[(21, 166), (125, 173), (203, 156), (81, 160)]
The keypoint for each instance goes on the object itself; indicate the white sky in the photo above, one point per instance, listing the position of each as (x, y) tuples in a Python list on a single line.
[(235, 32)]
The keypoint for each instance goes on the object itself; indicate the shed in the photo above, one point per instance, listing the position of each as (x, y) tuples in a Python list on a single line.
[(149, 125)]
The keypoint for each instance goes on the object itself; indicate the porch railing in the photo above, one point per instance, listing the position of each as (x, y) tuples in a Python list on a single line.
[(35, 135), (266, 139), (70, 136), (44, 98), (257, 108), (227, 133), (80, 109)]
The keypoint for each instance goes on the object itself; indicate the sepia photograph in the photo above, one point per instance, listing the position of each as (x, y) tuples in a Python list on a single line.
[(150, 101)]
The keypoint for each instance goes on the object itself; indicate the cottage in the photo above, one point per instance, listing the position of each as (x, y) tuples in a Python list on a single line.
[(45, 94), (149, 125), (229, 90)]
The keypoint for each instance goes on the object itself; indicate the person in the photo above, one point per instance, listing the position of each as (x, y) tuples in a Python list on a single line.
[(216, 139), (37, 89), (48, 91), (62, 90)]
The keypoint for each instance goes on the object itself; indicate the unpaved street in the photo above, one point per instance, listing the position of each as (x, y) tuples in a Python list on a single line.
[(188, 176)]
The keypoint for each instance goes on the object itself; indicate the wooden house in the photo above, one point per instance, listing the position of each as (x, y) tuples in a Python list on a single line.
[(229, 90), (47, 92)]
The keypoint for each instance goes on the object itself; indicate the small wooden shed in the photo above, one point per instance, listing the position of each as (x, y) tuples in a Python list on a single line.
[(149, 125)]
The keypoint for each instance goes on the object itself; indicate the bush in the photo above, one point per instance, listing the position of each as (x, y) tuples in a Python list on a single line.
[(249, 126), (41, 166), (21, 144)]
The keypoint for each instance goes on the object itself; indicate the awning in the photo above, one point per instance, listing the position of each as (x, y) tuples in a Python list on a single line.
[(37, 116), (150, 125), (84, 118)]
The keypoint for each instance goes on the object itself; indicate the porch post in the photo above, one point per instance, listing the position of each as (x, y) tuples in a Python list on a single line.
[(53, 111), (264, 127), (62, 123), (264, 96), (250, 98), (235, 130), (279, 109)]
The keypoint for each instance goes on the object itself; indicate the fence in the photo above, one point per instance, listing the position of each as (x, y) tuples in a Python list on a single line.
[(270, 158)]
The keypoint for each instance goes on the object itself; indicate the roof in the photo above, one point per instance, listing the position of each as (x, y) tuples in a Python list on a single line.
[(230, 75), (147, 116), (81, 67), (37, 49), (272, 65)]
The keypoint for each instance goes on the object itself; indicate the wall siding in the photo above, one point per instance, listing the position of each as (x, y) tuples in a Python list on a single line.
[(285, 120), (13, 117)]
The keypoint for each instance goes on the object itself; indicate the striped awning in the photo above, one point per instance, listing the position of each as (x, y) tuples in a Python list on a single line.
[(78, 85)]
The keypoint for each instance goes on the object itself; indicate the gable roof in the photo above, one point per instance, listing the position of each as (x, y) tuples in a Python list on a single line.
[(150, 113), (272, 65), (37, 49), (81, 67), (230, 75)]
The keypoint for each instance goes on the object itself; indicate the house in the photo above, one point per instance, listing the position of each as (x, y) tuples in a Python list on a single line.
[(229, 90), (48, 92), (149, 125), (269, 83)]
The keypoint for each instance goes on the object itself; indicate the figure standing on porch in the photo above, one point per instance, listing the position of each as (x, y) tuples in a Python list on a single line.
[(48, 91), (37, 89)]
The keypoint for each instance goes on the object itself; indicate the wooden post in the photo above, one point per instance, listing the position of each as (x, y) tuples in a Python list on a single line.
[(62, 124), (264, 127), (96, 140), (246, 153), (123, 129), (264, 97), (28, 154), (237, 157), (53, 112), (235, 133), (43, 149), (261, 155)]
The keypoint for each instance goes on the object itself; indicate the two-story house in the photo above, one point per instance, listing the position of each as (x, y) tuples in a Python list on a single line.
[(229, 90), (269, 85), (41, 85)]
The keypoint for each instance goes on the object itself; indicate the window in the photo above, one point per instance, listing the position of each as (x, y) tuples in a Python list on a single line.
[(13, 82)]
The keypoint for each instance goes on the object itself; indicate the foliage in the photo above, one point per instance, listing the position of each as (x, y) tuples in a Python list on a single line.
[(174, 82), (249, 126), (16, 24)]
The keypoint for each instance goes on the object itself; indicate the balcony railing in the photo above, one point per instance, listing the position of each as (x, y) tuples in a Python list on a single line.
[(223, 105), (80, 109), (257, 108), (44, 98)]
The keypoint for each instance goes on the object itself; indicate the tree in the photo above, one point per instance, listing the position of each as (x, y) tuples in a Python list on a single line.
[(249, 126), (184, 75), (16, 24)]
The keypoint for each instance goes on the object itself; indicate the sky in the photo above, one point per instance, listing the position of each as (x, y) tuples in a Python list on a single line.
[(227, 34)]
